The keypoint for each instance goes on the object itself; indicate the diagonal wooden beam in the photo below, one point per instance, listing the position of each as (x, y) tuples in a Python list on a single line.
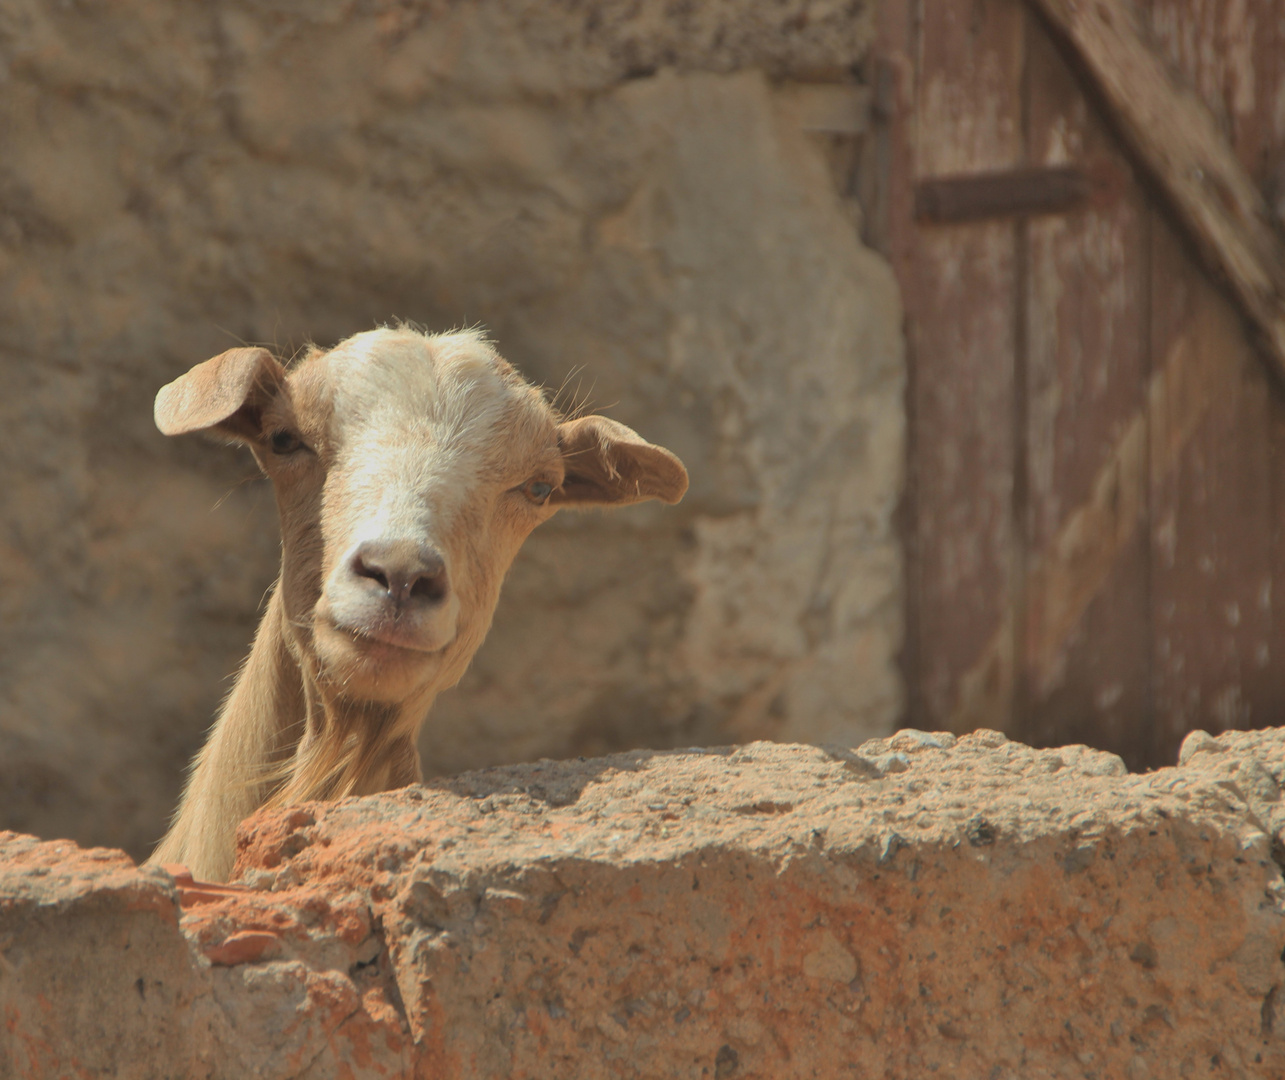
[(1179, 143)]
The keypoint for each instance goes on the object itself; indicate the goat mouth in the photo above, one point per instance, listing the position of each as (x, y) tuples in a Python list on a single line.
[(378, 643)]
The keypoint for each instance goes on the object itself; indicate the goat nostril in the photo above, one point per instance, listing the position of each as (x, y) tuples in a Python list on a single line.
[(430, 587), (363, 569)]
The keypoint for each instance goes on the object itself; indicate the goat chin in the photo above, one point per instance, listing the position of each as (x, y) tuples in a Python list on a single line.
[(369, 669)]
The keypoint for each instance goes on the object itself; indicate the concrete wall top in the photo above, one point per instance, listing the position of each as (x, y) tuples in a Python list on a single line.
[(918, 905)]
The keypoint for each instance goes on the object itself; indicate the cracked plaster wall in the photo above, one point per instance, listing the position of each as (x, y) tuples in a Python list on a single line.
[(622, 193)]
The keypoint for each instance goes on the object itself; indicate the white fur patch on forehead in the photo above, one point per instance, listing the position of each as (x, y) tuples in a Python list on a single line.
[(391, 380)]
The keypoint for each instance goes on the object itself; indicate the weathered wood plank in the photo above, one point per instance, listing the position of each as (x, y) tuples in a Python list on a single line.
[(1228, 51), (885, 178), (1174, 134), (1268, 688), (1212, 526), (1085, 656), (1215, 574), (961, 303), (1263, 140)]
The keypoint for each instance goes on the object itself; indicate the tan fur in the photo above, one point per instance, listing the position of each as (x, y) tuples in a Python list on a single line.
[(422, 464)]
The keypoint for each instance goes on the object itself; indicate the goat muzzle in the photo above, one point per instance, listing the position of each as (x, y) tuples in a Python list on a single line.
[(410, 575)]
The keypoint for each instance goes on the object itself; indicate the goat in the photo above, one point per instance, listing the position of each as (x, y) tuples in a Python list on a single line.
[(408, 469)]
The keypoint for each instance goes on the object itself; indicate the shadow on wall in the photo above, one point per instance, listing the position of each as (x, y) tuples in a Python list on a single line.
[(636, 212)]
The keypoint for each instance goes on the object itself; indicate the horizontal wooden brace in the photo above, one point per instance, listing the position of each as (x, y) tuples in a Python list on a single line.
[(1049, 190)]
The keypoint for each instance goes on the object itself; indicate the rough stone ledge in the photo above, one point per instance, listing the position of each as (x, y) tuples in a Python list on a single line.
[(920, 905)]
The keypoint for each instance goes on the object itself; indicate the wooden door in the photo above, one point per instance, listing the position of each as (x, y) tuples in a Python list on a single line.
[(1095, 489)]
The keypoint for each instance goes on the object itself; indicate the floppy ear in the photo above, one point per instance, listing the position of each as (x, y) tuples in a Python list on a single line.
[(225, 395), (609, 464)]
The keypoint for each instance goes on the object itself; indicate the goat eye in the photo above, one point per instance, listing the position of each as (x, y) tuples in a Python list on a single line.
[(538, 491), (285, 442)]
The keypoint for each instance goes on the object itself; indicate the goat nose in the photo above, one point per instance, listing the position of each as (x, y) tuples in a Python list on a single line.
[(408, 572)]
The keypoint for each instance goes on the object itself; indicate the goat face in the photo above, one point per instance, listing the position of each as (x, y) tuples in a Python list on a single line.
[(408, 469)]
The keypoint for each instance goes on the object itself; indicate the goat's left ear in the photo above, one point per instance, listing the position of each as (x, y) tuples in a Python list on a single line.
[(609, 464), (223, 395)]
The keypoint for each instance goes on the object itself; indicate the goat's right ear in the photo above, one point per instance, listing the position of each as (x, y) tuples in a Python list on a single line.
[(223, 395)]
